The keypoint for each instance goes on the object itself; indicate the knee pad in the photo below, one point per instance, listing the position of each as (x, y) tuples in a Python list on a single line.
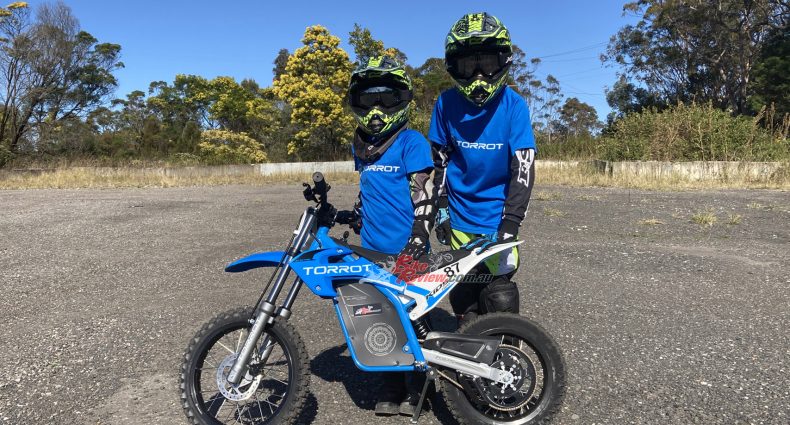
[(501, 295)]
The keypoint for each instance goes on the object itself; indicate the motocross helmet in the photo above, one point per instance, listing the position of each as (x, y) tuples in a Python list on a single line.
[(477, 54), (379, 95)]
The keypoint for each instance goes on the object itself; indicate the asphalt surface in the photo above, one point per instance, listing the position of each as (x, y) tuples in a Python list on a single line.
[(670, 323)]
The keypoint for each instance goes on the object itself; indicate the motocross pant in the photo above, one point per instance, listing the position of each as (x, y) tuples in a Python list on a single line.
[(491, 290)]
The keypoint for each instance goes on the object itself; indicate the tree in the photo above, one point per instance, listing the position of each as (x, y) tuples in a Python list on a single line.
[(188, 99), (227, 147), (771, 82), (50, 70), (577, 118), (279, 63), (542, 97), (683, 50), (625, 97), (314, 85), (365, 46)]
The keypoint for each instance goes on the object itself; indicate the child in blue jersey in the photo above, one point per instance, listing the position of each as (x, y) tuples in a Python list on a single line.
[(394, 210), (484, 150)]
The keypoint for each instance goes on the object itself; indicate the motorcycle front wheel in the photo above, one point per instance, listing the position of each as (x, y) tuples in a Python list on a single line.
[(270, 393), (538, 369)]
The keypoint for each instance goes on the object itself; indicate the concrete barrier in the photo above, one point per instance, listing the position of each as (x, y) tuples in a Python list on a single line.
[(695, 170), (305, 167)]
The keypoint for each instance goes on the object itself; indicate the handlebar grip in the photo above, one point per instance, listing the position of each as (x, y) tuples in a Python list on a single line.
[(320, 184)]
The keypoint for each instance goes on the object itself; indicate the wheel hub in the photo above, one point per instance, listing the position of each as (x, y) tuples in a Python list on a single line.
[(244, 390), (515, 390)]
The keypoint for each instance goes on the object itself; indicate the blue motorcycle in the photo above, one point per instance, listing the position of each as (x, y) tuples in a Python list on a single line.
[(250, 366)]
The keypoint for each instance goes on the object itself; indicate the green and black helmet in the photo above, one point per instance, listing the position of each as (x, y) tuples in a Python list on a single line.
[(379, 95), (478, 53)]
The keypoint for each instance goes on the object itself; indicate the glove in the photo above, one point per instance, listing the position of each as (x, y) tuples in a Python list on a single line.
[(481, 243), (415, 248), (442, 226), (508, 229), (352, 218)]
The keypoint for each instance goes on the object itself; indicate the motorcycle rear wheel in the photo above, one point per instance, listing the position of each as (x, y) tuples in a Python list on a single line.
[(272, 393), (528, 350)]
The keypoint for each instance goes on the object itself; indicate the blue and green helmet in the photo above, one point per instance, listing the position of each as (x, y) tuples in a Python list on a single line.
[(379, 95), (478, 54)]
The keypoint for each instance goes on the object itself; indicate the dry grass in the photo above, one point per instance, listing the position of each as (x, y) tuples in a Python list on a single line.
[(547, 196), (75, 178), (651, 222), (71, 178), (705, 218), (584, 177), (588, 198), (552, 212), (734, 219)]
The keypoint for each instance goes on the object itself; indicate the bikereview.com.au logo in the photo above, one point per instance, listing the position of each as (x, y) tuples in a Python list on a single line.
[(407, 269)]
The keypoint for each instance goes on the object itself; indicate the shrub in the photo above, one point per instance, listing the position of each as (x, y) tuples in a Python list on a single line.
[(694, 133), (5, 155), (227, 147)]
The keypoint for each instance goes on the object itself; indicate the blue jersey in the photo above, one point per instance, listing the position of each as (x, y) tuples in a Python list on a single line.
[(483, 140), (387, 209)]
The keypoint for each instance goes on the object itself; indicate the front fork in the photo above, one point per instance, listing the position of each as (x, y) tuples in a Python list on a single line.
[(266, 310)]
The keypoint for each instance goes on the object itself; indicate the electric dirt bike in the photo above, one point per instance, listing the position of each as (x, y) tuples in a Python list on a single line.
[(250, 365)]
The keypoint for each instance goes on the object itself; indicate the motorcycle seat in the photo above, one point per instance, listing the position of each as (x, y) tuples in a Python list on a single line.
[(435, 261)]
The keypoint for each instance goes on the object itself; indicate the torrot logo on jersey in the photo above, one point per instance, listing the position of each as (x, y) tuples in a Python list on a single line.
[(481, 146), (382, 168)]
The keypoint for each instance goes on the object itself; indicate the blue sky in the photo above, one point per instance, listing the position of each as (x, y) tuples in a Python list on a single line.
[(241, 38)]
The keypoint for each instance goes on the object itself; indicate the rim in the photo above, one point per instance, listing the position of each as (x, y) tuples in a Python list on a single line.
[(260, 395), (523, 402)]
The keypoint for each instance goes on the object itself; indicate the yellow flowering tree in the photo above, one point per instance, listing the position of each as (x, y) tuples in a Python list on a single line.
[(227, 147), (314, 84)]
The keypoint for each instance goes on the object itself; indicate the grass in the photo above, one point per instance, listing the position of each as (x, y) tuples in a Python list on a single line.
[(547, 196), (651, 222), (76, 178), (552, 212), (586, 177), (705, 218), (69, 177), (588, 198), (734, 219)]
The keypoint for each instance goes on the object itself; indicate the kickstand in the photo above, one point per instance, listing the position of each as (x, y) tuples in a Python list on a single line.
[(430, 376)]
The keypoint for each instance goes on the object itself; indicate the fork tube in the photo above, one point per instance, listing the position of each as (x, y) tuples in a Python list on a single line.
[(265, 311), (285, 309)]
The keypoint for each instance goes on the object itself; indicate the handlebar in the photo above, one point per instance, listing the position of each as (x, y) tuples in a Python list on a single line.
[(318, 192)]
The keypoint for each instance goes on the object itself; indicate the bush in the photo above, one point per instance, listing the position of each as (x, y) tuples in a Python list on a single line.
[(694, 133), (5, 155), (566, 147), (227, 147)]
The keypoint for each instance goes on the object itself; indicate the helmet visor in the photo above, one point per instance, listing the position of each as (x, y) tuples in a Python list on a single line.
[(387, 98), (467, 65)]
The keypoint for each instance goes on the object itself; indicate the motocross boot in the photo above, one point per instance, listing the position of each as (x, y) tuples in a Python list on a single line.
[(391, 392)]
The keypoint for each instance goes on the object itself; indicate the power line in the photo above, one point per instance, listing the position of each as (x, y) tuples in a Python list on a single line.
[(570, 59), (580, 49)]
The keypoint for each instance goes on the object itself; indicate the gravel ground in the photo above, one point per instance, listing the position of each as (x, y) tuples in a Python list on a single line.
[(661, 320)]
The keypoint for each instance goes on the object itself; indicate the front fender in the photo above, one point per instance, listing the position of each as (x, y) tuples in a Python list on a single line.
[(254, 261)]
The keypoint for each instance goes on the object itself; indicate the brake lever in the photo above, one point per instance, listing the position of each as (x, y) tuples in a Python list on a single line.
[(309, 194)]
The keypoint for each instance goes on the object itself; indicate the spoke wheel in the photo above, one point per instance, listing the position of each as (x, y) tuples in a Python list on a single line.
[(270, 393)]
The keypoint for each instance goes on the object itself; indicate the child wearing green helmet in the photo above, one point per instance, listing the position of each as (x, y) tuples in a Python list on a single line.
[(485, 150), (394, 210)]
